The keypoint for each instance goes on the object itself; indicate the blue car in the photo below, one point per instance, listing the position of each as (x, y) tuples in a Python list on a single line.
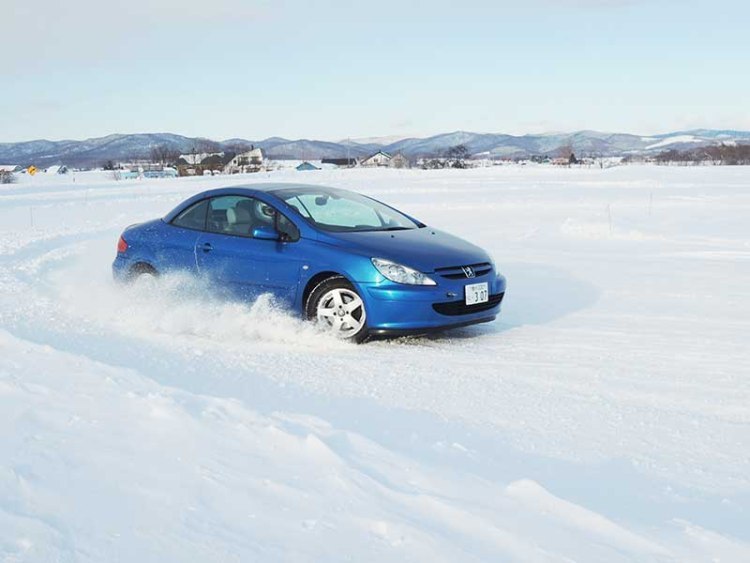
[(357, 266)]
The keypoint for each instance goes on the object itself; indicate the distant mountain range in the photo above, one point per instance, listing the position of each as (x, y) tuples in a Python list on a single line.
[(94, 152)]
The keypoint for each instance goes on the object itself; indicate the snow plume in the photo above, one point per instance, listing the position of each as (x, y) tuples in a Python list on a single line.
[(181, 305)]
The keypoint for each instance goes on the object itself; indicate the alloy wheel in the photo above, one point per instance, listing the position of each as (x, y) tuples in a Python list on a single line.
[(342, 311)]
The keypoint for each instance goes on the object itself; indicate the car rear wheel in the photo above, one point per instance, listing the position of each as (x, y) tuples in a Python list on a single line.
[(337, 307), (142, 275)]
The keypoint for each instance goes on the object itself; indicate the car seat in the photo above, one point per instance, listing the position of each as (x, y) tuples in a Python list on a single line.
[(217, 221), (239, 220)]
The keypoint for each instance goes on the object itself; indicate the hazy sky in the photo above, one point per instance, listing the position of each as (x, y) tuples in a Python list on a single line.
[(334, 69)]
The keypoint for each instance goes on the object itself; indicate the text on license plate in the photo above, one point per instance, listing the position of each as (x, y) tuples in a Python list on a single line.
[(477, 293)]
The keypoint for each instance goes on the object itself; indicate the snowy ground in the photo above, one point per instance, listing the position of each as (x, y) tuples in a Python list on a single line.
[(604, 417)]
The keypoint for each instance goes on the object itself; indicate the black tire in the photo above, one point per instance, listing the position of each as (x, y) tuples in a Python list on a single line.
[(141, 269), (320, 290)]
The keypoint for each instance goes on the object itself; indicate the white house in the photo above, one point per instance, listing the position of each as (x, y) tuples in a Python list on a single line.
[(56, 169), (197, 157), (250, 161), (380, 158)]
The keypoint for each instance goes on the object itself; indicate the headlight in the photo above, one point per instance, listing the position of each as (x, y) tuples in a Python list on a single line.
[(401, 274)]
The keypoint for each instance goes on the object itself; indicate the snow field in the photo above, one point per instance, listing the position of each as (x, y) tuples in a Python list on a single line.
[(603, 417)]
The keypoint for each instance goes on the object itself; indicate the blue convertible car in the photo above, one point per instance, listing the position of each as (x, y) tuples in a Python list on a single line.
[(352, 263)]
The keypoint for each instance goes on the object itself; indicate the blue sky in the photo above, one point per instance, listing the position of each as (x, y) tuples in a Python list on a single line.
[(334, 69)]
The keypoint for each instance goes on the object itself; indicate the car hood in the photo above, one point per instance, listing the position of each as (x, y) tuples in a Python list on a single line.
[(424, 249)]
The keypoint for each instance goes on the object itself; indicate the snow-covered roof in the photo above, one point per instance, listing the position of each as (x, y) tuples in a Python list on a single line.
[(252, 153), (379, 153), (307, 166), (197, 158)]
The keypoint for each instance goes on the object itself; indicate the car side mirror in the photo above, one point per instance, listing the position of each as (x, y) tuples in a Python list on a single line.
[(265, 233)]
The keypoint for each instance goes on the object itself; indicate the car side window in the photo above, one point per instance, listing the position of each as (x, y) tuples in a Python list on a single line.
[(231, 215), (240, 215), (288, 230), (194, 217), (271, 217)]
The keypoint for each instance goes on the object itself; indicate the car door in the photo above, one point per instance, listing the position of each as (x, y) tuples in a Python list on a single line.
[(176, 250), (247, 266)]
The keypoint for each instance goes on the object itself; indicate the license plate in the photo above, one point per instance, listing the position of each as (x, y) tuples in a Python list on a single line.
[(477, 293)]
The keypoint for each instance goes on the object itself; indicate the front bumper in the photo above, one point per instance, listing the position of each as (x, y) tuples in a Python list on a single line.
[(394, 308)]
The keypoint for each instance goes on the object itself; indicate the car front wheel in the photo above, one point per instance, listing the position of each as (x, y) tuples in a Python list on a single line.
[(337, 306)]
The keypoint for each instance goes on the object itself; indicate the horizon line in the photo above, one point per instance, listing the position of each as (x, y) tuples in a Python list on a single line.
[(398, 138)]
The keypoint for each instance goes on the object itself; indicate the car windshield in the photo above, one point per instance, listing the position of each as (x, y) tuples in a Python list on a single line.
[(343, 211)]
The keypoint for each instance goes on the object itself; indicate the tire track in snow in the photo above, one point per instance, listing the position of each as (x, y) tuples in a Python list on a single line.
[(501, 393)]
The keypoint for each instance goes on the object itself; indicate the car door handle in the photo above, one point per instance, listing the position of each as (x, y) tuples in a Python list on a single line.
[(206, 247)]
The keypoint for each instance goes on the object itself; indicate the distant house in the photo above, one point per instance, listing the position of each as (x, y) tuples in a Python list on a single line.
[(200, 163), (10, 168), (398, 160), (380, 158), (213, 162), (249, 161), (306, 166), (57, 169), (197, 158), (126, 174), (341, 162), (163, 173)]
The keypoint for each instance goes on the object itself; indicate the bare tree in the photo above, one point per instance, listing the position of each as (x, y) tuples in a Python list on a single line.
[(432, 164), (206, 146), (164, 155), (457, 156), (565, 151), (729, 155), (239, 148)]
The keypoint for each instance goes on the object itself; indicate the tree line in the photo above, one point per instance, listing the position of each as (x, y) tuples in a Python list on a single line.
[(727, 155), (454, 157)]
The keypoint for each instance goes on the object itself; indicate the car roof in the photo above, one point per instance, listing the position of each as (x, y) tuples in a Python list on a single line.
[(243, 189), (265, 187)]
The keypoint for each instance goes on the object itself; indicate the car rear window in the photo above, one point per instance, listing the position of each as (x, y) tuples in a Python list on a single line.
[(194, 217)]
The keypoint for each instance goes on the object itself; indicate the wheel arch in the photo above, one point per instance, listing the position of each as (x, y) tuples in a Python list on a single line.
[(142, 267), (317, 279)]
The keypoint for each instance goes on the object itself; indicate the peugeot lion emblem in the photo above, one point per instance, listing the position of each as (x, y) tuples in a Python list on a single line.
[(469, 271)]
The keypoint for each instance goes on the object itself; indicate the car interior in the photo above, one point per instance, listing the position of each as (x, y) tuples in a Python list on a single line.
[(240, 217), (244, 215)]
